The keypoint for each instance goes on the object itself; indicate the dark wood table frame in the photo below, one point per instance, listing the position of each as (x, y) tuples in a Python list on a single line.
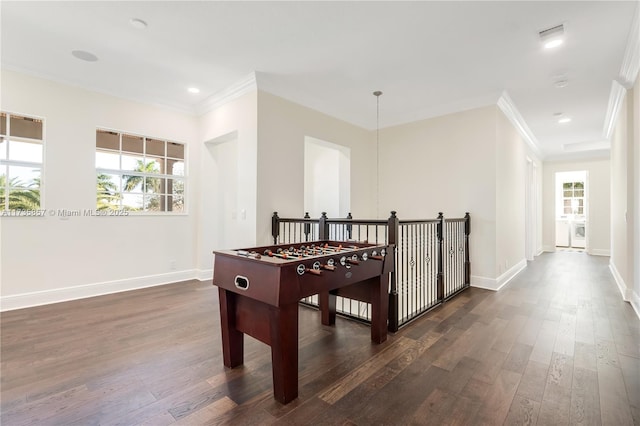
[(268, 309)]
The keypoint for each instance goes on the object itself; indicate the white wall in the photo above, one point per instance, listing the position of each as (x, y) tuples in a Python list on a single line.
[(471, 161), (246, 160), (49, 259), (327, 177), (511, 180), (625, 192), (227, 165), (598, 208), (620, 231), (282, 128), (437, 165), (635, 259), (221, 221)]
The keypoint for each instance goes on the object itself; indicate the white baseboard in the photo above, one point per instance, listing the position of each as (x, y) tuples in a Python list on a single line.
[(628, 295), (37, 298), (495, 284), (549, 249), (483, 282), (511, 273), (622, 287), (205, 274), (635, 303)]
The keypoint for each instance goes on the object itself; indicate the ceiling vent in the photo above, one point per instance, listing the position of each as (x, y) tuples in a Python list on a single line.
[(552, 37)]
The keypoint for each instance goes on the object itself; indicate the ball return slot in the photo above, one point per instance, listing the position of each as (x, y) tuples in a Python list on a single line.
[(241, 282)]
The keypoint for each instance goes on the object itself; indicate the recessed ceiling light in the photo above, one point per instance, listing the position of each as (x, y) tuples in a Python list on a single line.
[(553, 43), (193, 90), (561, 83), (84, 55), (552, 37), (562, 119), (138, 24)]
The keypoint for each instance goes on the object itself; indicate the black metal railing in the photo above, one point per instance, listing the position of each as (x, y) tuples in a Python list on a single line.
[(431, 258)]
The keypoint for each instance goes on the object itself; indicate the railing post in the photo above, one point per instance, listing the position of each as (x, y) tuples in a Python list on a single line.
[(275, 227), (307, 227), (392, 227), (441, 228), (349, 226), (467, 262), (323, 227)]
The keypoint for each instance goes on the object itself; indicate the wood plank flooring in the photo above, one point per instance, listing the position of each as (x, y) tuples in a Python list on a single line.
[(557, 346)]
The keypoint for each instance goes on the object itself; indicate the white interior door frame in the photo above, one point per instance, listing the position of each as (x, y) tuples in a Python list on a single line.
[(530, 219)]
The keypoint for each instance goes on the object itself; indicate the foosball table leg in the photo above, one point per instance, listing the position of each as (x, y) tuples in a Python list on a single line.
[(327, 302), (379, 308), (232, 339), (283, 323)]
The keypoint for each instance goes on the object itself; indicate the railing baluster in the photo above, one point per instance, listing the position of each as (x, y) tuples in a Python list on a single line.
[(307, 227), (275, 227), (431, 257), (467, 262), (392, 231), (440, 288)]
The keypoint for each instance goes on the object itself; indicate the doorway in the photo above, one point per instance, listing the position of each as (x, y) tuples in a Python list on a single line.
[(219, 226), (327, 178), (572, 210), (531, 209)]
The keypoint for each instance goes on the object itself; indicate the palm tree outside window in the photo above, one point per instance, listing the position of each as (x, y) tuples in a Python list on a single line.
[(139, 174), (21, 162)]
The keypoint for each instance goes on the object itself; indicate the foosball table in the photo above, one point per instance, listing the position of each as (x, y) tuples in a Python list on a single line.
[(260, 287)]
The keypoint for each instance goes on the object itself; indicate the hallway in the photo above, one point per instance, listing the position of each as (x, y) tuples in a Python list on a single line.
[(556, 346), (582, 340)]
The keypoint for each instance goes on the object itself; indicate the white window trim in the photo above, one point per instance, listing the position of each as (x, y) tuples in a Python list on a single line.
[(120, 171), (40, 165)]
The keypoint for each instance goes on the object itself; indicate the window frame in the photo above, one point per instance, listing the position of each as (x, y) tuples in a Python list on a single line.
[(6, 136), (144, 156), (572, 197)]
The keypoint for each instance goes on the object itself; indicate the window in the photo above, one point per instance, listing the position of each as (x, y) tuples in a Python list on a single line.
[(21, 158), (137, 173), (573, 198)]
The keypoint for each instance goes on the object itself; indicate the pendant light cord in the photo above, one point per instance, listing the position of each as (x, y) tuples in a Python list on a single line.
[(377, 94)]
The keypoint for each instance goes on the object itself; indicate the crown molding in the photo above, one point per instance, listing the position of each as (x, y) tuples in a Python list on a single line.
[(627, 77), (590, 155), (182, 109), (586, 146), (631, 60), (509, 109), (237, 89), (616, 97)]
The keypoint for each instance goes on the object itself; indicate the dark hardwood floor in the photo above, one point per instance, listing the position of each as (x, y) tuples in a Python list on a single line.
[(556, 346)]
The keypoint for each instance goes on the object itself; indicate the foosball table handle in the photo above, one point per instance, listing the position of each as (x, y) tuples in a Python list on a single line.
[(301, 270)]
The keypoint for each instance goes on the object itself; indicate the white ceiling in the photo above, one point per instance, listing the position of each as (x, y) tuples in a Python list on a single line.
[(429, 58)]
